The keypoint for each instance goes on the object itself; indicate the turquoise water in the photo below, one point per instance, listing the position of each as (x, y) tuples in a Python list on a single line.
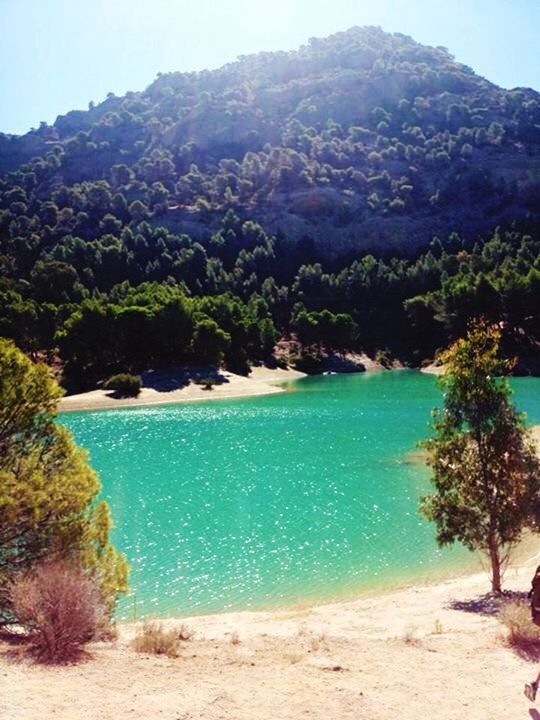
[(264, 502)]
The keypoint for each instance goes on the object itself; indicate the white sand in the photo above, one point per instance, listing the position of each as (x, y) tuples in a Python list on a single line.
[(262, 381), (408, 654)]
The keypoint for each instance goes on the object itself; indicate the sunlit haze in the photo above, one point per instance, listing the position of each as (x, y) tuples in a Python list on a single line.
[(59, 55)]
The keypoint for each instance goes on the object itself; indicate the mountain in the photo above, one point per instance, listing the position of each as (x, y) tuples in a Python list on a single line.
[(362, 141), (363, 193)]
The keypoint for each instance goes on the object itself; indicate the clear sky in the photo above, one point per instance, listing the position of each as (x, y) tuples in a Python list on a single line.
[(57, 55)]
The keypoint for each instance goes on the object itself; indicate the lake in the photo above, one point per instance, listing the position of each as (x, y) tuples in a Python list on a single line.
[(297, 497)]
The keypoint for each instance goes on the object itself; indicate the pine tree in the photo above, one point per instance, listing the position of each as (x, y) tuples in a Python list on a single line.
[(48, 491)]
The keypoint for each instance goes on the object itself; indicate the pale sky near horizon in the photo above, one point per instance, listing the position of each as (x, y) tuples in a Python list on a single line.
[(57, 55)]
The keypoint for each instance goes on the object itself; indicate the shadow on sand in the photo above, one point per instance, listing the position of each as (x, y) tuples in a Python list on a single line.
[(179, 377), (488, 604)]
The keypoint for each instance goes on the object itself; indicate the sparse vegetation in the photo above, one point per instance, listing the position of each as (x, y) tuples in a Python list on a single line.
[(438, 628), (523, 636), (59, 606), (410, 638), (153, 639)]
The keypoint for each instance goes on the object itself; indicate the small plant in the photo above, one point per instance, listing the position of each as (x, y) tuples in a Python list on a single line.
[(409, 637), (153, 639), (293, 657), (523, 636), (58, 605), (124, 384), (207, 383), (438, 627)]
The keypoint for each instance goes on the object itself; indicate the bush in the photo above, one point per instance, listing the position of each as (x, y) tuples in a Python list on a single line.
[(124, 384), (523, 635), (309, 362), (207, 383), (153, 639), (59, 606)]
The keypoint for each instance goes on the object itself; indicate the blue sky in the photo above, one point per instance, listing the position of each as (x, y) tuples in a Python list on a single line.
[(57, 55)]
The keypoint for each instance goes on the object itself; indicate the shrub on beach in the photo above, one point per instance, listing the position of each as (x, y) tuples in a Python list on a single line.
[(153, 639), (58, 604), (523, 635), (207, 383), (124, 384)]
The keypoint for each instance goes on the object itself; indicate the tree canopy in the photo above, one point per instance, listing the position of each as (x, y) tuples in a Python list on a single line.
[(486, 472), (49, 504)]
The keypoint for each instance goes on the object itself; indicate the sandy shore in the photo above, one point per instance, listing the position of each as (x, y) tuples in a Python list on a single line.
[(432, 369), (171, 388), (422, 652)]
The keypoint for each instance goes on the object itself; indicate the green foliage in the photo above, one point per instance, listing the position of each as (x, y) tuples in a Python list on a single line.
[(207, 383), (48, 492), (124, 384), (209, 342), (90, 224), (485, 469)]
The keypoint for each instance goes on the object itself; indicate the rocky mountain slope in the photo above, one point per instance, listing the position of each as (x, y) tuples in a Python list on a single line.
[(363, 141)]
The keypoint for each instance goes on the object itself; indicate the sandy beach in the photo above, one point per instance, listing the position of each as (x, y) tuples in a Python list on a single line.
[(174, 386), (429, 651), (181, 387)]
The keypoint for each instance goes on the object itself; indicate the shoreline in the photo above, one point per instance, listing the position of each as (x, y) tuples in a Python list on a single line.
[(171, 386), (334, 612), (394, 654), (262, 381)]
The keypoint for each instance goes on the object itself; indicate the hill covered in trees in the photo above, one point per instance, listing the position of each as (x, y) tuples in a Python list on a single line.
[(348, 192)]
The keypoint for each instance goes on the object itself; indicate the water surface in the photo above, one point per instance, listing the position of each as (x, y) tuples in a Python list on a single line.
[(267, 501)]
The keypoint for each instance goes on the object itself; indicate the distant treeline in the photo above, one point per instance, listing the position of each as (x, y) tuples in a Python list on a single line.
[(150, 296)]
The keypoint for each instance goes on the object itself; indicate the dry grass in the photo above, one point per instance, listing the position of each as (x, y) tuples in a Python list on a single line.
[(523, 636), (58, 605), (409, 637), (153, 639), (292, 657)]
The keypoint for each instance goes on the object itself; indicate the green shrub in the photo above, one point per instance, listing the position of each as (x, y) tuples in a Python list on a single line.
[(309, 362), (207, 383), (124, 384)]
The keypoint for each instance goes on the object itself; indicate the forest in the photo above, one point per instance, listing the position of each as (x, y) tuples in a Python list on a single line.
[(362, 193)]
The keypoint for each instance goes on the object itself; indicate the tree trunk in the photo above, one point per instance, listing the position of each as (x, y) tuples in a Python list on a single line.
[(495, 558)]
